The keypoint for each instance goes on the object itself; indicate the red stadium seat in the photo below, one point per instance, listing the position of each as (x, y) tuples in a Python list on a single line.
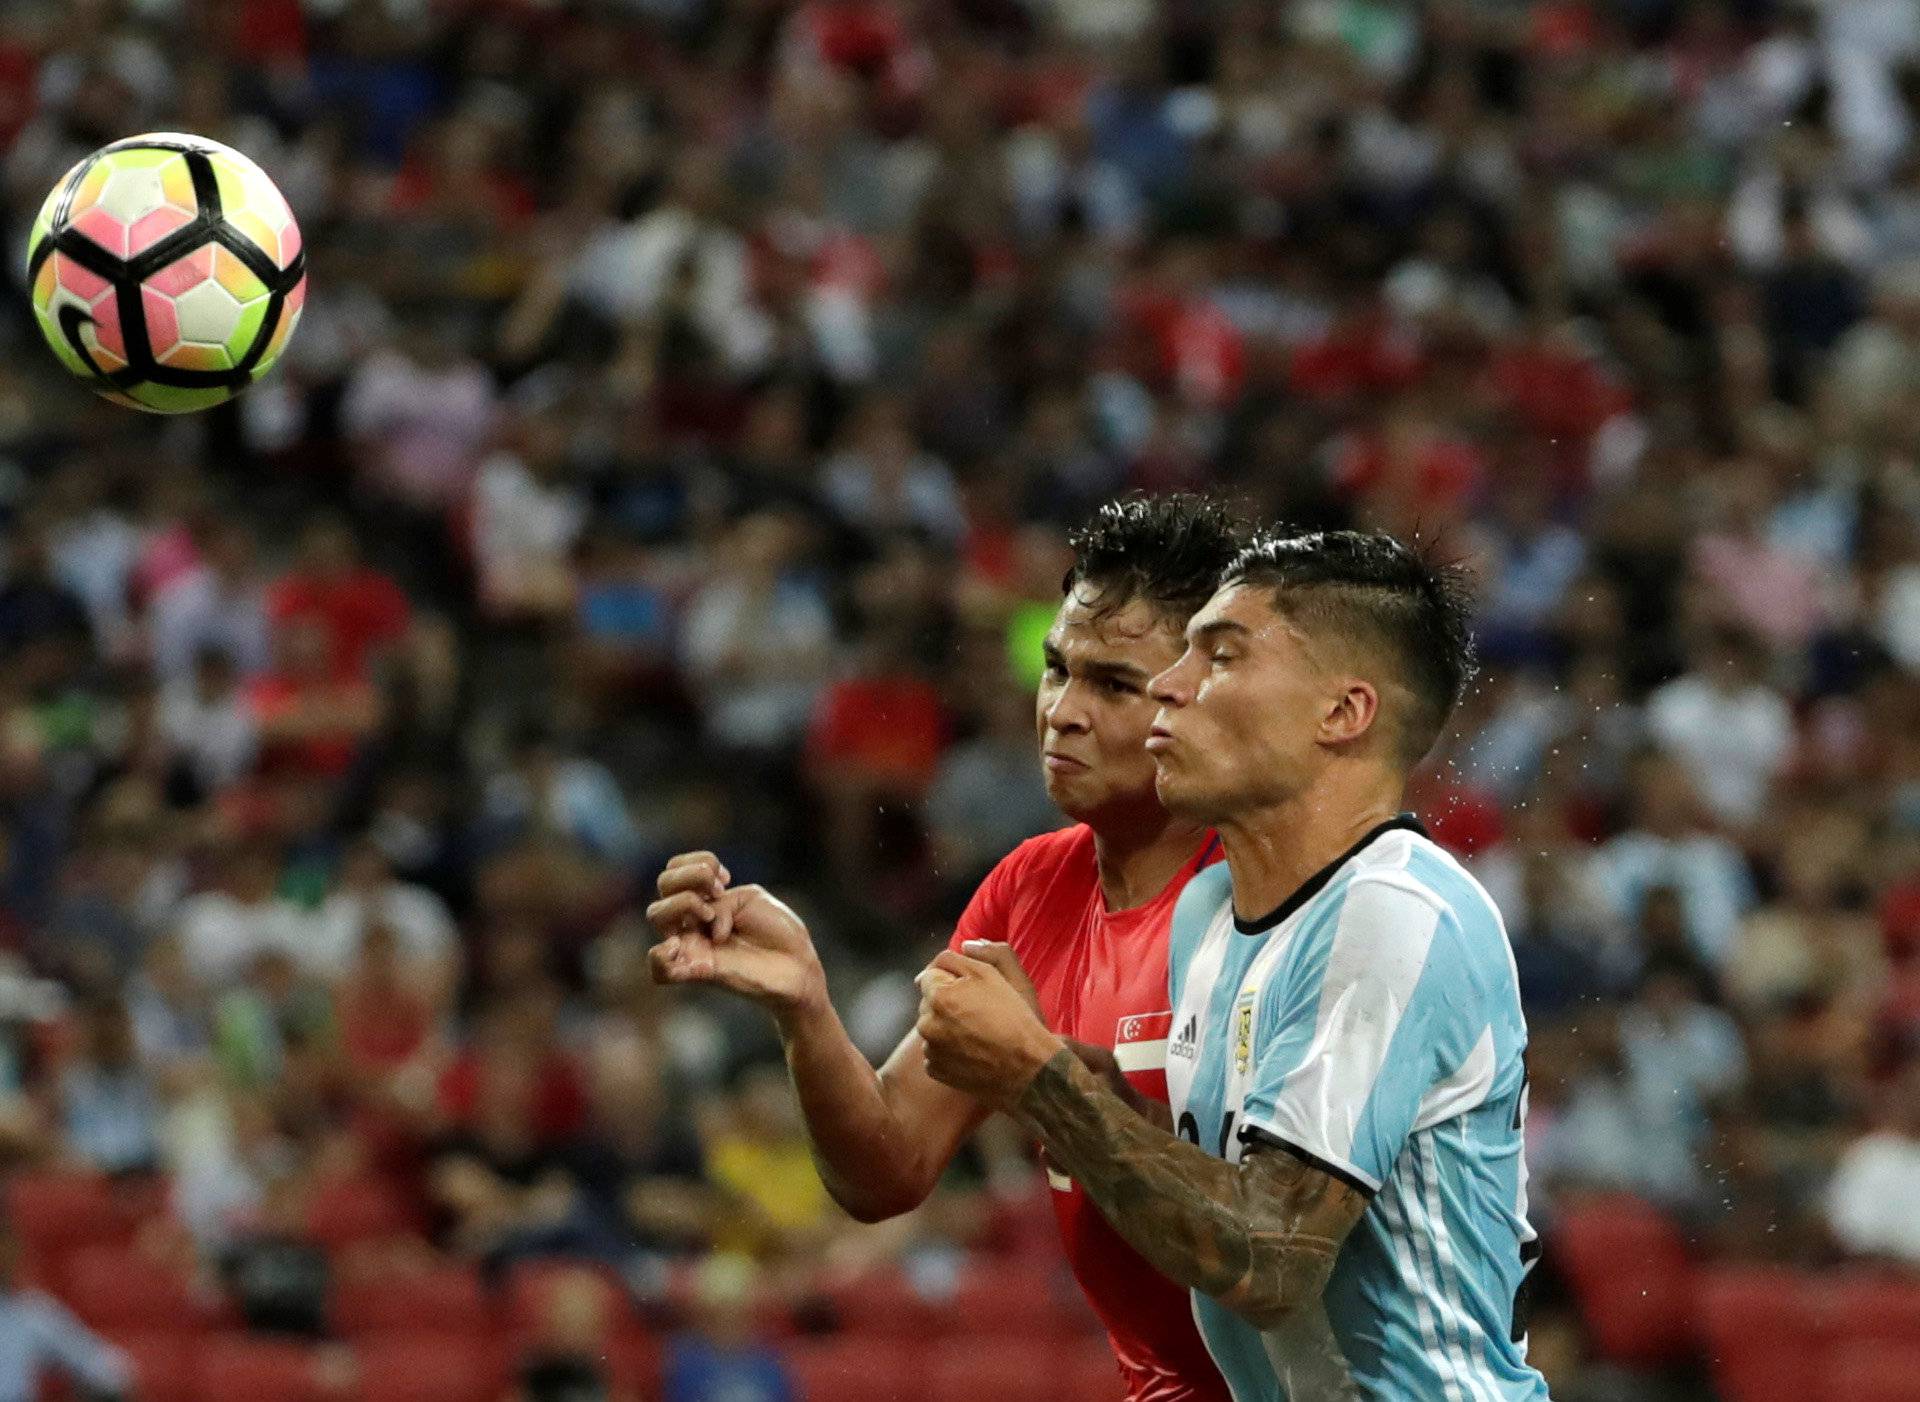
[(634, 1361), (163, 1365), (1031, 1299), (1869, 1307), (1760, 1329), (126, 1291), (530, 1287), (239, 1368), (1873, 1372), (430, 1368), (1023, 1224), (1629, 1270), (857, 1368), (443, 1299), (885, 1304), (56, 1212), (1091, 1375), (348, 1211), (1016, 1369)]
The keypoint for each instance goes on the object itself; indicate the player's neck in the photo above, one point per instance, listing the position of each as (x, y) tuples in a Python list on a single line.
[(1274, 851), (1137, 856)]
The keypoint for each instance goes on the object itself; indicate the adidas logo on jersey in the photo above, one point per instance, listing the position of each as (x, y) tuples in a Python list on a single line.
[(1187, 1045)]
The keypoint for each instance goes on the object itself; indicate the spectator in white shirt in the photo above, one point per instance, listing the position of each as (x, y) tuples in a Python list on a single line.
[(757, 638), (224, 930), (428, 943), (1732, 731), (420, 413), (1873, 1203), (882, 481), (37, 1334), (1667, 845), (219, 605), (527, 517), (207, 725), (684, 251)]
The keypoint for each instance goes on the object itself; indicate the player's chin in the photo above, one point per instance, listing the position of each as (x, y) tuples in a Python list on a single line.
[(1070, 790), (1180, 793)]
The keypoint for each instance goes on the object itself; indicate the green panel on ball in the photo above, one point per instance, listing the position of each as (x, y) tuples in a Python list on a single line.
[(139, 158), (252, 317), (165, 399), (69, 357)]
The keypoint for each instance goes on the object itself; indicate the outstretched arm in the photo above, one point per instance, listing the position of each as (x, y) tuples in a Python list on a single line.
[(1259, 1236), (881, 1138)]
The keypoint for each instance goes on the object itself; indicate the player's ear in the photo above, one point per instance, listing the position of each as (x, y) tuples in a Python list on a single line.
[(1351, 713)]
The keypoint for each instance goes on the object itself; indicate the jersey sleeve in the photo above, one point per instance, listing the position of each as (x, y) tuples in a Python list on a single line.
[(1353, 1046), (989, 911)]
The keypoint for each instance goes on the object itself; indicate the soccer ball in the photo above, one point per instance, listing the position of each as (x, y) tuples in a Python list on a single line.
[(167, 272)]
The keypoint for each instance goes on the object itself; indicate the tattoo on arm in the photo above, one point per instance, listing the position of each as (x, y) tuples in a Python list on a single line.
[(1104, 1064), (1259, 1236)]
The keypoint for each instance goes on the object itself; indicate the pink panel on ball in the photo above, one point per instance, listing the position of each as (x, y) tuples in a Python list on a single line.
[(289, 318), (184, 274), (100, 226), (112, 352), (153, 227), (82, 283), (163, 326), (289, 243)]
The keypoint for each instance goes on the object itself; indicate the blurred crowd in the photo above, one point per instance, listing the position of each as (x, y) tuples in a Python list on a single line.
[(677, 452)]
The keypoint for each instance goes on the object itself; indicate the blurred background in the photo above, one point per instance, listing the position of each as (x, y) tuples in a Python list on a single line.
[(677, 452)]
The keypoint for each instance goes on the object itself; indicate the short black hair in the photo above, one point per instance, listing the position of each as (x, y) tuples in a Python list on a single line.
[(1169, 551), (1371, 587)]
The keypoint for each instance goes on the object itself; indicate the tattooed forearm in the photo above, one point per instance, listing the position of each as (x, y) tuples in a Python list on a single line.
[(1259, 1236), (1106, 1066)]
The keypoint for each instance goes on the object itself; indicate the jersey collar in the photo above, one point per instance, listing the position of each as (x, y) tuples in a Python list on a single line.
[(1314, 884)]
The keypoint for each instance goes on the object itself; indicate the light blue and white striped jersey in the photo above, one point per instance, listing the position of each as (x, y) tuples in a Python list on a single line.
[(1372, 1026)]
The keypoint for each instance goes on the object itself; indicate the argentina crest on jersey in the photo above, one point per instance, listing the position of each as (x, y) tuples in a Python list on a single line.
[(1243, 1029)]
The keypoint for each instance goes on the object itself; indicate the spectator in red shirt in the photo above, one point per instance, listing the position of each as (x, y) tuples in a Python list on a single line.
[(876, 739), (311, 720), (362, 610)]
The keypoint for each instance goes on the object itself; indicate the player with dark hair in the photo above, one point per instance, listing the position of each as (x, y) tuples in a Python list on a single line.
[(1344, 1192), (1084, 909)]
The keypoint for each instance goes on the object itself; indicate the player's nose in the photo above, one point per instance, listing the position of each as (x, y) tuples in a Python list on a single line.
[(1171, 688), (1065, 714)]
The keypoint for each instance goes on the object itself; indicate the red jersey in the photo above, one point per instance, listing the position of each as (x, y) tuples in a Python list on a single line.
[(1102, 979)]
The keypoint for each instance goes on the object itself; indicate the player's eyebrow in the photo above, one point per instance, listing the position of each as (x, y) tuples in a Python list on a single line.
[(1101, 669), (1118, 671), (1219, 627)]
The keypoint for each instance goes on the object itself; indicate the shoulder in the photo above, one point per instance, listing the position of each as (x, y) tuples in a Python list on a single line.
[(1029, 876), (1204, 892), (1048, 855), (1411, 901), (1209, 889)]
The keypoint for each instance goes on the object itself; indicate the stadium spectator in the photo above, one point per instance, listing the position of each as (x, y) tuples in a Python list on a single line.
[(723, 1360), (39, 1337), (567, 1360), (757, 637), (109, 1106), (363, 611), (217, 604)]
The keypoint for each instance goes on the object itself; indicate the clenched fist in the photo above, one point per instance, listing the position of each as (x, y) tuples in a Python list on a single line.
[(740, 938), (982, 1032)]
